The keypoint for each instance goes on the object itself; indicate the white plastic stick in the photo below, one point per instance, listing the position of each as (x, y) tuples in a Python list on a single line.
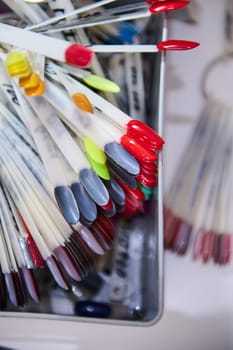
[(47, 228), (84, 122), (59, 133), (38, 189), (4, 260), (99, 21), (30, 158), (22, 235), (19, 202), (10, 234), (8, 89), (28, 13), (41, 44), (135, 85), (46, 147), (144, 48), (114, 113), (71, 14)]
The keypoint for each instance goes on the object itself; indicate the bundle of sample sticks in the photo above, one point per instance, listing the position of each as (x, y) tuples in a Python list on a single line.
[(71, 160)]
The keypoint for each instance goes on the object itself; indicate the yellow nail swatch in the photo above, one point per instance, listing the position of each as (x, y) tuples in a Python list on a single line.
[(17, 64), (100, 169), (101, 83), (94, 151)]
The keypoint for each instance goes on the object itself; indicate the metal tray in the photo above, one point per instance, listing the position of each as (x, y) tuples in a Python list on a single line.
[(135, 295)]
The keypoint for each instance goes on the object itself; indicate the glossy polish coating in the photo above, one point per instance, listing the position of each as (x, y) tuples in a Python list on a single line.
[(67, 204), (94, 186), (101, 83), (31, 284), (148, 192), (136, 193), (10, 286), (122, 157), (67, 262), (100, 169), (92, 309), (121, 174), (116, 192), (34, 252), (82, 102), (165, 6), (137, 150), (177, 45), (101, 238), (56, 272), (82, 248), (86, 205), (82, 251), (74, 251), (208, 245), (32, 81), (96, 153), (107, 223), (146, 180), (109, 209), (225, 249), (18, 65), (102, 234), (79, 55), (171, 226), (149, 168), (37, 91), (79, 265), (90, 240), (141, 131), (182, 238)]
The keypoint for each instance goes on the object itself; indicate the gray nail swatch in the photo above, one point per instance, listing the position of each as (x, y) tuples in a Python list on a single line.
[(116, 191), (94, 186), (10, 286), (121, 174), (123, 158), (86, 205), (67, 204)]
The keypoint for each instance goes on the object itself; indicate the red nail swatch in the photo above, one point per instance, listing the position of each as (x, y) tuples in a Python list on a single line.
[(225, 245), (137, 193), (137, 150), (177, 45), (165, 6), (78, 55), (198, 246), (35, 255), (140, 131), (147, 180), (171, 226), (208, 245)]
